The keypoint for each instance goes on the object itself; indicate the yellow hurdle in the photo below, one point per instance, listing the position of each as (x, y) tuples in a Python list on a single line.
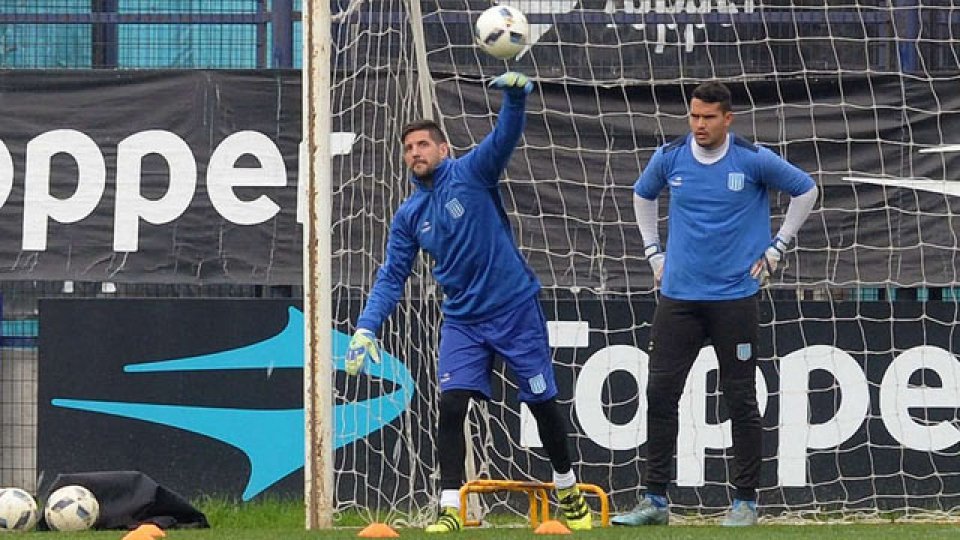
[(536, 494)]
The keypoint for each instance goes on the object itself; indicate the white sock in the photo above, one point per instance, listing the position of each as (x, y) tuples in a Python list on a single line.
[(450, 498), (564, 480)]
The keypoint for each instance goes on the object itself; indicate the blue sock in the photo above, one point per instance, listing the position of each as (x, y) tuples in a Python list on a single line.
[(751, 504), (659, 501)]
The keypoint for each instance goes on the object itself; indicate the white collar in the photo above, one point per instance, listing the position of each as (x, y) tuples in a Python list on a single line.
[(709, 156)]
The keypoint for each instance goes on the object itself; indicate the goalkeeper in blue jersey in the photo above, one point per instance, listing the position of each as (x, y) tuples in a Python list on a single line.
[(719, 251), (490, 305)]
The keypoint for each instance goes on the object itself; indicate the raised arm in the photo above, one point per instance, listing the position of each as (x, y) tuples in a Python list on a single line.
[(489, 158)]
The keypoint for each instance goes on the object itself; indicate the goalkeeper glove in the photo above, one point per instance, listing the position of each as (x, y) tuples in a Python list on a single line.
[(656, 258), (513, 82), (363, 344), (767, 264)]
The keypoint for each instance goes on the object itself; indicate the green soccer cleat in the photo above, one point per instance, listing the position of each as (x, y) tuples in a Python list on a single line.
[(741, 514), (646, 513), (575, 509), (448, 521)]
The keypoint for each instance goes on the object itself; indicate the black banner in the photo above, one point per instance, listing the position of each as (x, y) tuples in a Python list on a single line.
[(609, 41), (150, 176), (858, 402), (109, 180)]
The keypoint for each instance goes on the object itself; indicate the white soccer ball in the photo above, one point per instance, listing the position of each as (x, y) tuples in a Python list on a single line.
[(18, 510), (502, 31), (71, 508)]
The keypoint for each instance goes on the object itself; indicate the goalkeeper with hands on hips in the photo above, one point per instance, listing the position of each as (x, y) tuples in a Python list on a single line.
[(718, 254), (490, 303)]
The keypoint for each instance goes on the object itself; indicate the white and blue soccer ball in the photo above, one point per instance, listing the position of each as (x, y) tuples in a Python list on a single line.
[(502, 31), (18, 510), (71, 508)]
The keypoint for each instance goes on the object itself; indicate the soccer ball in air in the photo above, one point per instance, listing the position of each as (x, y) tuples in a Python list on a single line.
[(502, 31), (18, 510), (71, 508)]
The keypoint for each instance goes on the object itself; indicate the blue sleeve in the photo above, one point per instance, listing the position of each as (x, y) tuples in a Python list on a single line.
[(388, 287), (652, 179), (779, 173), (489, 158)]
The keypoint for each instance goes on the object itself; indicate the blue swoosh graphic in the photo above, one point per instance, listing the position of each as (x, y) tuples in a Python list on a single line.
[(272, 440)]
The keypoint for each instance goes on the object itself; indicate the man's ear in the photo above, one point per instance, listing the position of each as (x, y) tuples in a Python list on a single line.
[(444, 149)]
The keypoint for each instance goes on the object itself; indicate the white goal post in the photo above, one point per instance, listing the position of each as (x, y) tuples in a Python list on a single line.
[(317, 361)]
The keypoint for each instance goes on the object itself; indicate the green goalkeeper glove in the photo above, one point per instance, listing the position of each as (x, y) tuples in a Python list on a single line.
[(363, 344), (513, 82)]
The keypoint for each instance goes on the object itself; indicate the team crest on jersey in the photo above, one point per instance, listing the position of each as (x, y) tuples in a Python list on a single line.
[(455, 208), (744, 351), (537, 384), (676, 181), (735, 181), (425, 228)]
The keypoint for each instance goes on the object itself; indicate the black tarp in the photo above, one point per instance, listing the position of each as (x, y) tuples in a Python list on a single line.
[(130, 498)]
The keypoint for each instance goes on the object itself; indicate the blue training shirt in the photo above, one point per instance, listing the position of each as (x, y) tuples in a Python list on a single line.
[(719, 215), (460, 221)]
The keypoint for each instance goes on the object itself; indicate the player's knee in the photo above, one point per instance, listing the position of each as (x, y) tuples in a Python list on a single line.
[(663, 395), (546, 412), (453, 405), (741, 398)]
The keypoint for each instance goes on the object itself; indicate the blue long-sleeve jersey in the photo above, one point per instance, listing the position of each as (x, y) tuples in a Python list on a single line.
[(460, 221), (719, 215)]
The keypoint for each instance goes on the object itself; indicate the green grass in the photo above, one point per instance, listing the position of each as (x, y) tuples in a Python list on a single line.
[(279, 520)]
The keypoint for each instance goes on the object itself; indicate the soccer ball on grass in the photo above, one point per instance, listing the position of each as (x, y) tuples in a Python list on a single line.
[(502, 31), (71, 508), (18, 510)]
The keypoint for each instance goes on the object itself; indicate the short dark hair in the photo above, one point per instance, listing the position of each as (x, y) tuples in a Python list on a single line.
[(714, 92), (425, 124)]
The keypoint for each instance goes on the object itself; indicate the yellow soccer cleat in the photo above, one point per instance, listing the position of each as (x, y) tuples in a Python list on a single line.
[(575, 509), (448, 521)]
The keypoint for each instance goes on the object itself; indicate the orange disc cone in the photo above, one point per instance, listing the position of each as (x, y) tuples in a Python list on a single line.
[(552, 527), (152, 530), (147, 531), (378, 530)]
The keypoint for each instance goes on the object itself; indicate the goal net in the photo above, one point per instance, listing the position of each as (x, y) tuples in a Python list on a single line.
[(858, 381)]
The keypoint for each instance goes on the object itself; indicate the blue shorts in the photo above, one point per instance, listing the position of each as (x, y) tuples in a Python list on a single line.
[(520, 337)]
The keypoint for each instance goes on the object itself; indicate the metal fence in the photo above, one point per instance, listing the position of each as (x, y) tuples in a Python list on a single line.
[(137, 34)]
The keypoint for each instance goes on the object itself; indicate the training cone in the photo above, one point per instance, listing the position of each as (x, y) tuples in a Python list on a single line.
[(552, 527), (147, 531), (378, 530)]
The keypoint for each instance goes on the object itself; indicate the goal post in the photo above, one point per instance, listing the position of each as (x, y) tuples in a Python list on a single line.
[(317, 283)]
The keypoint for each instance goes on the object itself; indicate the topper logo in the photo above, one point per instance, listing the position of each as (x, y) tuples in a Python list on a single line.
[(223, 177), (686, 34), (902, 402)]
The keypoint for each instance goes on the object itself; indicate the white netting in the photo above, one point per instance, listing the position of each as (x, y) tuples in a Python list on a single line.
[(861, 409)]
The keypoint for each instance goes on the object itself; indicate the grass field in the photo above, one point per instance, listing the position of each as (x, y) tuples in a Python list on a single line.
[(284, 521)]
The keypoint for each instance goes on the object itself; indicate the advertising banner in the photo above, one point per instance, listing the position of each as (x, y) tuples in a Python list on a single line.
[(102, 178), (105, 176), (205, 396)]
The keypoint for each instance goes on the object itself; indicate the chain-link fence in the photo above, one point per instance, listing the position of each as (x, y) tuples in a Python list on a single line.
[(138, 34)]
